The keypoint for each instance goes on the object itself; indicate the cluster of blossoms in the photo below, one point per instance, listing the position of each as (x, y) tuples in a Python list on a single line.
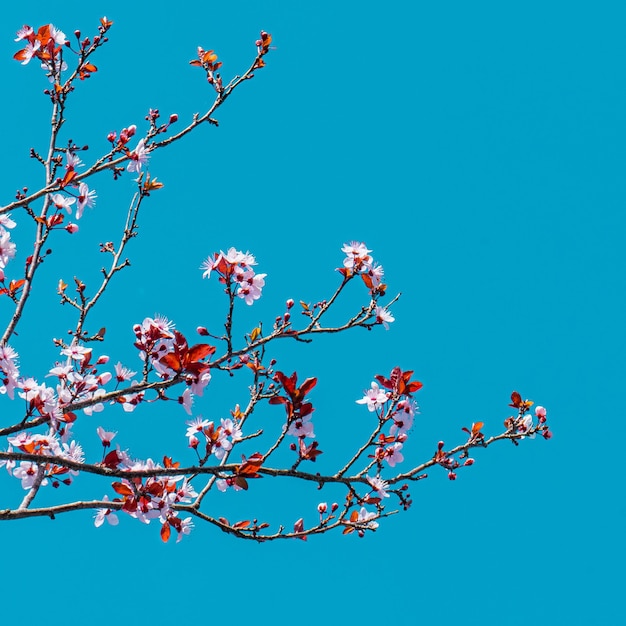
[(7, 247), (391, 399), (29, 472), (359, 262), (75, 193), (218, 441), (45, 45), (147, 499), (166, 352), (234, 268)]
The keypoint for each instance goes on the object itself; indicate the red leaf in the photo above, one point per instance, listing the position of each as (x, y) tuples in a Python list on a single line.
[(516, 400), (241, 482), (306, 386), (171, 361), (199, 351), (112, 460), (165, 532), (242, 524), (122, 489)]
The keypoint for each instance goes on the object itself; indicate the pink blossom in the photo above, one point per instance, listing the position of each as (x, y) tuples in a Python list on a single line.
[(186, 526), (301, 427), (374, 397), (138, 157), (27, 473), (57, 35), (393, 456), (29, 51), (540, 411), (378, 485), (196, 426), (106, 437), (76, 352), (123, 373), (7, 248), (356, 255), (6, 221), (72, 160), (383, 316), (199, 383), (86, 198), (403, 417), (366, 518), (108, 514), (8, 463), (231, 429), (186, 400), (24, 33), (62, 202)]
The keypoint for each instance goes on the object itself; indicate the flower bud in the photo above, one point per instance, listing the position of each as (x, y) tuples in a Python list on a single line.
[(289, 303), (72, 228), (452, 476), (201, 330), (322, 507), (334, 507), (173, 118), (469, 462)]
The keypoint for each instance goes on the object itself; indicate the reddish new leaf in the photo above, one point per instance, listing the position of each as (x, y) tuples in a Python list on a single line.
[(165, 532)]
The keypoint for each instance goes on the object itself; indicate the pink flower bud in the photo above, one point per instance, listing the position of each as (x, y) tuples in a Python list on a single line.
[(334, 507), (112, 136), (201, 330), (193, 442), (322, 507), (440, 445), (289, 303), (102, 360), (547, 434), (287, 317), (72, 228), (173, 118), (131, 130), (540, 411), (469, 462), (452, 476), (292, 446)]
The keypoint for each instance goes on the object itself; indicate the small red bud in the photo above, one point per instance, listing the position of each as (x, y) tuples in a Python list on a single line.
[(334, 507), (173, 118), (452, 476), (292, 446), (289, 303), (201, 330), (440, 445), (469, 462)]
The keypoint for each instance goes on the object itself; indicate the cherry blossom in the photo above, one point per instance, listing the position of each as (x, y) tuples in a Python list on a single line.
[(122, 373), (356, 255), (138, 157), (378, 485), (7, 248), (108, 514), (86, 198), (374, 397), (383, 317), (106, 437), (61, 202)]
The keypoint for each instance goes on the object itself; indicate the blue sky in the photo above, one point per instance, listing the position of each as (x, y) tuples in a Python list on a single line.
[(478, 149)]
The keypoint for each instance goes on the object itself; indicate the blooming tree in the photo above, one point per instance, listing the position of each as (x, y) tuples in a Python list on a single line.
[(42, 417)]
